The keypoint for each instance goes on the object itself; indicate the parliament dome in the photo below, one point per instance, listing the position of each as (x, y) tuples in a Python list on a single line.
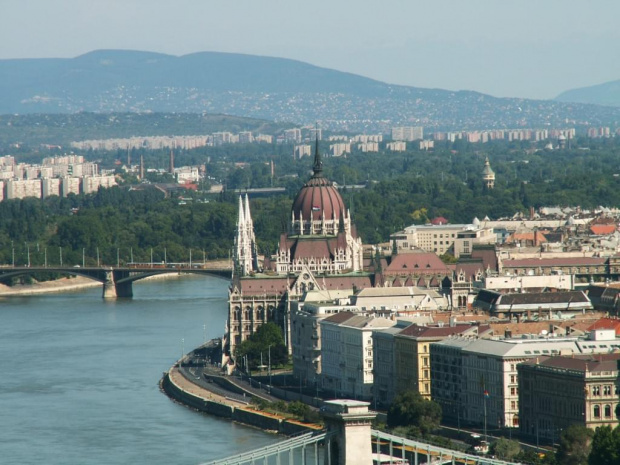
[(318, 207), (318, 198)]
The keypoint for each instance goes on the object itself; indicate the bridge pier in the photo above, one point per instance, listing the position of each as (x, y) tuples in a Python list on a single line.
[(124, 289), (350, 420), (109, 287)]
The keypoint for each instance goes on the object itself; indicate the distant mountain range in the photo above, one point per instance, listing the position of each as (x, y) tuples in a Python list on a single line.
[(601, 94), (262, 87)]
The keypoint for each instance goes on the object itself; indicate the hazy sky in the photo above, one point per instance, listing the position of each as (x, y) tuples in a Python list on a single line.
[(517, 48)]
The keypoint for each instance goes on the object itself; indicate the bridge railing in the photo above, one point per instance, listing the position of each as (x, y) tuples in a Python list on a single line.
[(280, 450), (397, 446)]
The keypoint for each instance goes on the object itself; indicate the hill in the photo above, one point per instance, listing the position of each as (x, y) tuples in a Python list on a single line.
[(263, 87), (607, 93)]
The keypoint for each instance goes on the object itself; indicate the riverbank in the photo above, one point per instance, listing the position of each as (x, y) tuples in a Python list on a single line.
[(199, 384), (45, 287), (67, 284)]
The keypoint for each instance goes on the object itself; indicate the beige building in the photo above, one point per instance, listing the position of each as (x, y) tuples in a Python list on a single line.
[(456, 238), (412, 361)]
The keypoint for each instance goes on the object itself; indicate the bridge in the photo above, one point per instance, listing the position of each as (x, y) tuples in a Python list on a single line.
[(315, 448), (349, 440), (117, 281)]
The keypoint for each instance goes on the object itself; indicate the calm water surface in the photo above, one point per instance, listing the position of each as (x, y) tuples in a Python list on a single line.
[(79, 378)]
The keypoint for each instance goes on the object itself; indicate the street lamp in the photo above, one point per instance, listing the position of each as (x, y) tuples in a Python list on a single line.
[(269, 349)]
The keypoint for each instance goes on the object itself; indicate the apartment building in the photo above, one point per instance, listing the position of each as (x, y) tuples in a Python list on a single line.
[(347, 353), (556, 392), (487, 370)]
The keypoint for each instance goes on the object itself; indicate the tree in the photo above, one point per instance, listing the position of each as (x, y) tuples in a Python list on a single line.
[(267, 342), (505, 449), (575, 445), (605, 446), (411, 409)]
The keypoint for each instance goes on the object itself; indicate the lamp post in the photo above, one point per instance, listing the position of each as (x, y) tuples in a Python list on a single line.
[(269, 353), (97, 256), (83, 257), (28, 253)]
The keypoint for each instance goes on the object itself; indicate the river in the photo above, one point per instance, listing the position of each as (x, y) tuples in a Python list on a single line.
[(80, 377)]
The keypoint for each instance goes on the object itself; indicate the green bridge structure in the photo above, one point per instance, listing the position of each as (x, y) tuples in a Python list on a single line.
[(349, 440), (117, 281)]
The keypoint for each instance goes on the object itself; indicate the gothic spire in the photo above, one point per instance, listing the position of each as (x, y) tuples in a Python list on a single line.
[(318, 164)]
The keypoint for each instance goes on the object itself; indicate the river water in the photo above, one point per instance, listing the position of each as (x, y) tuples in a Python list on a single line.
[(79, 378)]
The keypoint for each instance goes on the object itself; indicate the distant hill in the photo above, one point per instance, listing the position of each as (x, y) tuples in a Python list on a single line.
[(262, 87), (601, 94)]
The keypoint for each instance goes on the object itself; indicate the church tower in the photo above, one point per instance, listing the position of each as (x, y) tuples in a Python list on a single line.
[(245, 257), (488, 175)]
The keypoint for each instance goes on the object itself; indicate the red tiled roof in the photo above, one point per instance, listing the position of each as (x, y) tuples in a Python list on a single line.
[(603, 229), (260, 286), (568, 261), (416, 263), (606, 323)]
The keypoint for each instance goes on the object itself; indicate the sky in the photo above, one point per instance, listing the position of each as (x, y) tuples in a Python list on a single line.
[(505, 48)]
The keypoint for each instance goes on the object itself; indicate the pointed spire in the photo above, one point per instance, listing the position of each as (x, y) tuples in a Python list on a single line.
[(241, 218), (318, 164), (246, 213)]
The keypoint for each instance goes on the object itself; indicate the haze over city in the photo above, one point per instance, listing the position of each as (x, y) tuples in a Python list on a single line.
[(506, 49)]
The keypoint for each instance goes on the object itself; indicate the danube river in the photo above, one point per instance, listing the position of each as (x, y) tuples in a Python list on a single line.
[(80, 377)]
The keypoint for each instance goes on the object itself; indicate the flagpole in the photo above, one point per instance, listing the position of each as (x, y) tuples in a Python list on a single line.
[(485, 415)]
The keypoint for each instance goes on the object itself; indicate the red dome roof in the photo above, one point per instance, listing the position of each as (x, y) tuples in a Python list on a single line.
[(316, 198)]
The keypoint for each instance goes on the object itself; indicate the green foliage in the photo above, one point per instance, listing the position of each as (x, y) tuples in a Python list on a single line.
[(505, 449), (265, 342), (605, 446), (575, 445), (298, 409), (410, 409)]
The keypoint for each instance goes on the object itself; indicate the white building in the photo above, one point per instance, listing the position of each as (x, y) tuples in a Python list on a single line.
[(70, 185), (347, 353), (306, 315), (396, 146), (19, 189), (92, 184), (50, 186), (337, 150), (407, 133)]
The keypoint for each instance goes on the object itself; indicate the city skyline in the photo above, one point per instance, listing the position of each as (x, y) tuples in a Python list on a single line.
[(522, 49)]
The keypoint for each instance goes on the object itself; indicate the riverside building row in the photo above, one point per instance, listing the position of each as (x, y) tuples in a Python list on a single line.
[(469, 368)]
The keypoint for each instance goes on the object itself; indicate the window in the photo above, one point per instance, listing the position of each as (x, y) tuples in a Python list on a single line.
[(513, 391), (596, 391), (607, 390), (512, 379), (597, 411), (607, 411)]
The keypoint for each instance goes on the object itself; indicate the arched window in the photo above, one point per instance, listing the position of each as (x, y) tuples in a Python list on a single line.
[(607, 411), (597, 411)]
